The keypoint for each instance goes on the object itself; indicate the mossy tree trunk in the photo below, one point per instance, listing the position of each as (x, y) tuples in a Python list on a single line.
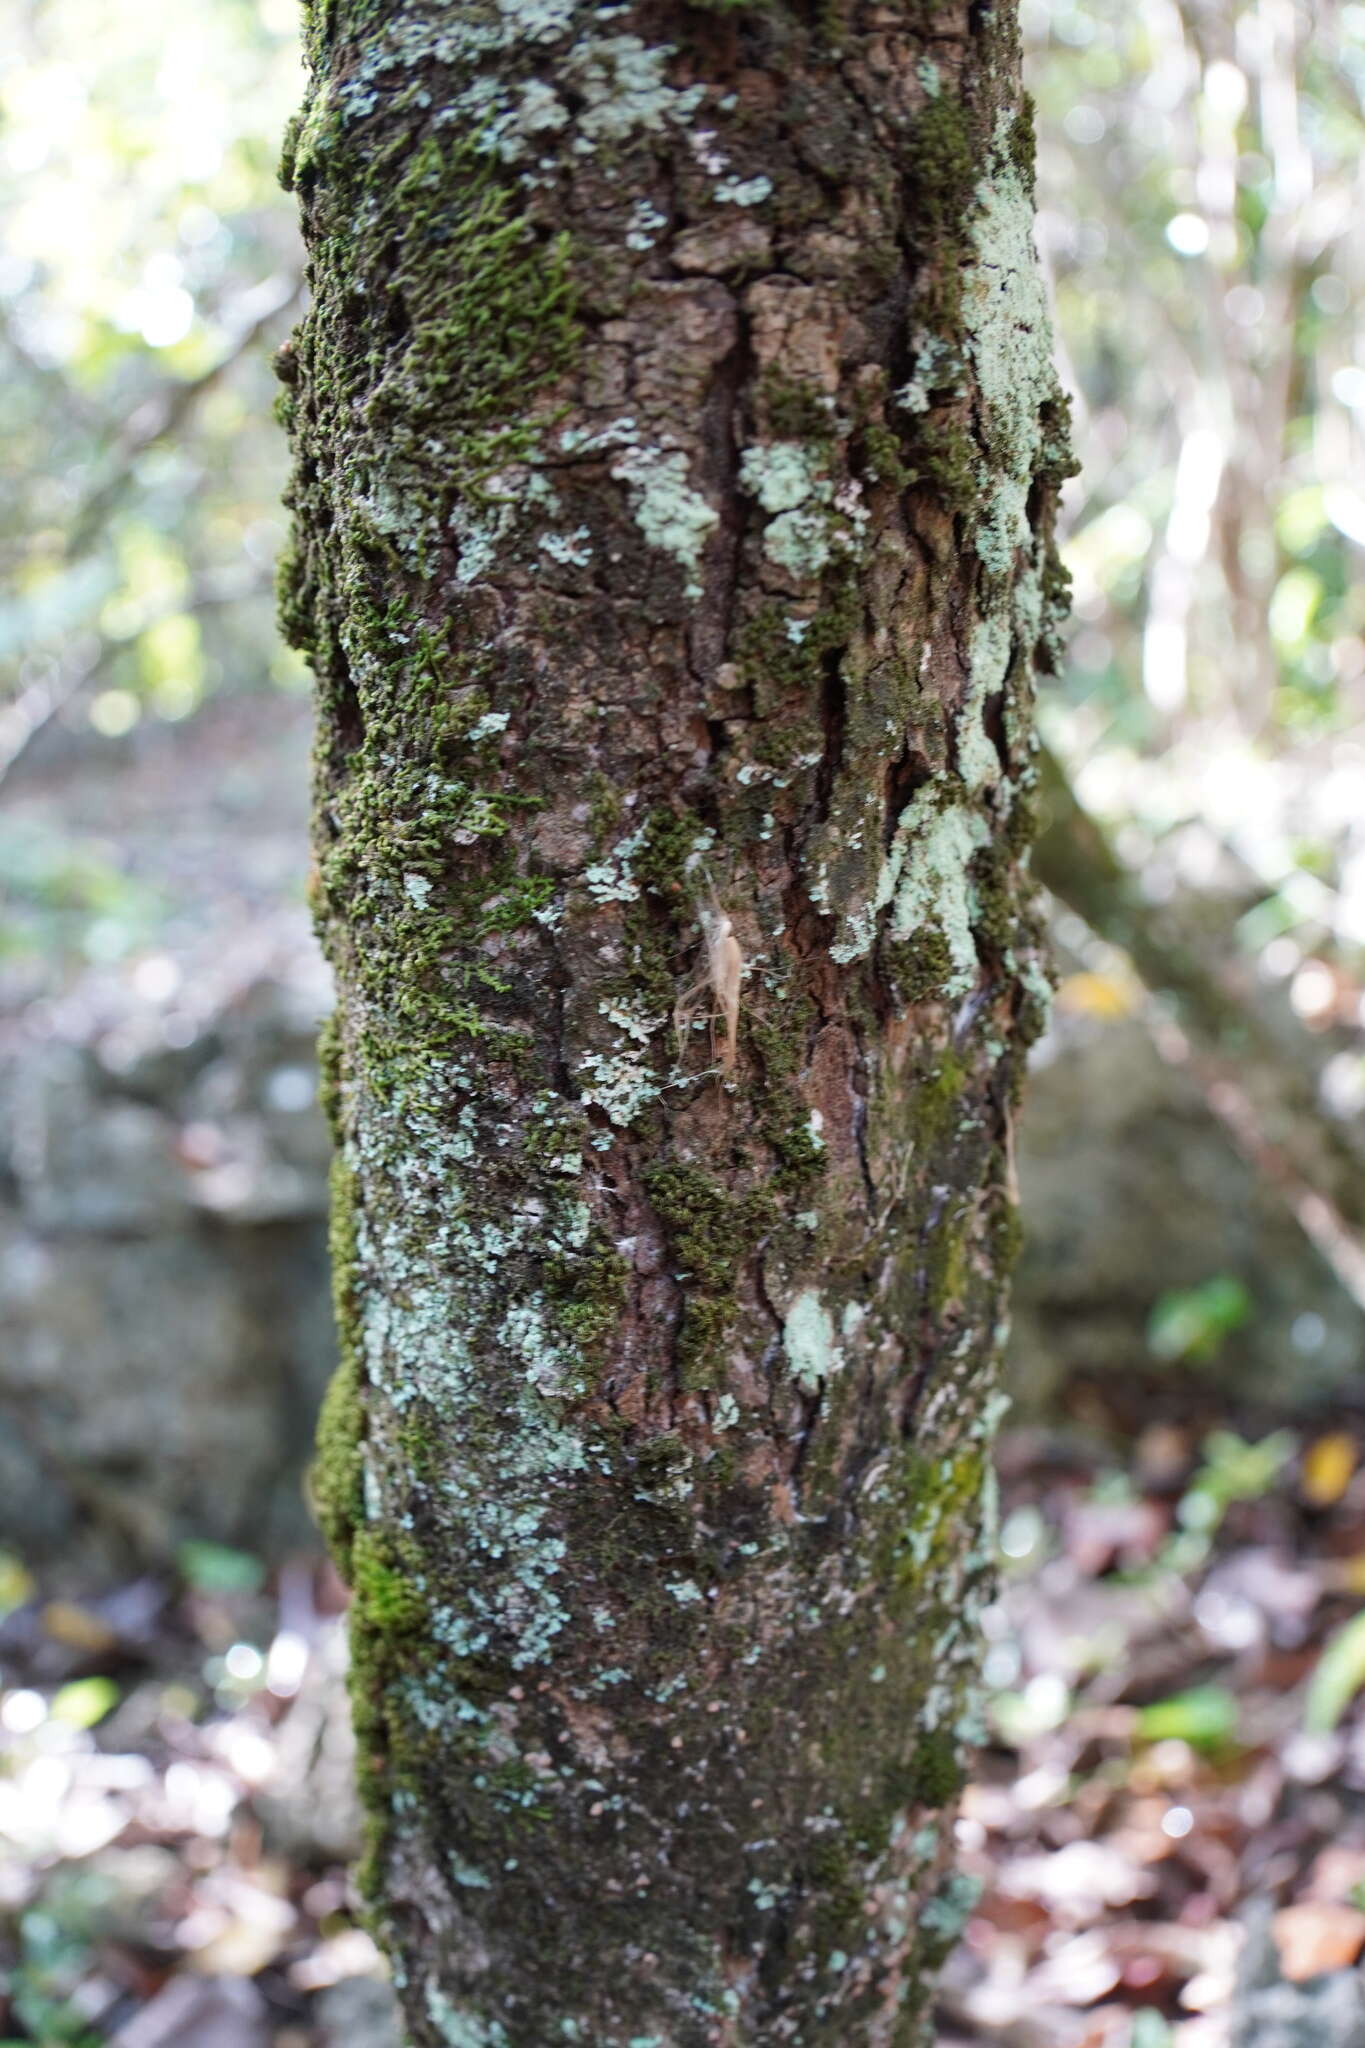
[(677, 445)]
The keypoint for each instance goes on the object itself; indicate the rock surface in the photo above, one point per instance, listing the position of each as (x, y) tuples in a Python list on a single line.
[(1131, 1189)]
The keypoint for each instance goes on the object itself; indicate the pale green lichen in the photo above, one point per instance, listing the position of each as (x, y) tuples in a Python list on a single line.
[(611, 880), (528, 1332), (808, 1340), (622, 1081), (1004, 307), (1035, 980), (799, 541), (946, 1914), (646, 224), (624, 84), (621, 81), (744, 191), (417, 1223), (461, 2029), (669, 513), (810, 518), (537, 21), (508, 123), (926, 878), (780, 475), (977, 757), (936, 364), (574, 549)]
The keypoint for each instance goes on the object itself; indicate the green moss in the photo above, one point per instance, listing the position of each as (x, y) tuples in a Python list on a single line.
[(289, 150), (589, 1293), (1007, 1236), (703, 1222), (780, 1036), (1023, 145), (712, 1234), (651, 961), (787, 675), (797, 411), (329, 1073), (883, 461), (491, 306), (936, 1776), (665, 861), (942, 453), (836, 1876), (513, 905), (997, 897), (335, 1480), (936, 1101), (388, 1602), (293, 607), (943, 166), (921, 1508), (919, 966), (802, 1157), (946, 1262), (429, 987), (605, 811)]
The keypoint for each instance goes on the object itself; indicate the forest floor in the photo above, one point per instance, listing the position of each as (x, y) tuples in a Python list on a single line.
[(1172, 1666)]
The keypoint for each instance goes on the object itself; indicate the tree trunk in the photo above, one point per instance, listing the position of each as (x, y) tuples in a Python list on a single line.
[(676, 445)]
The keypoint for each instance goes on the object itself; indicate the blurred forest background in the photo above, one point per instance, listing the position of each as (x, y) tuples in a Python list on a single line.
[(1167, 1840)]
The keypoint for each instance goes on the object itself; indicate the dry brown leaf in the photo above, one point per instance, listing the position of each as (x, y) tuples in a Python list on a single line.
[(77, 1628), (1316, 1936)]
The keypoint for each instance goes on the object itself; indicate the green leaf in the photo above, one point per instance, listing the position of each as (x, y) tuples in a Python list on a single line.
[(1205, 1717), (215, 1568), (1149, 2029), (85, 1701), (1193, 1323), (16, 1587), (1337, 1678)]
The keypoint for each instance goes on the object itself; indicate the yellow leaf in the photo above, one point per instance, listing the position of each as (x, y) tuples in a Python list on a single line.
[(1096, 995), (1328, 1466), (77, 1627)]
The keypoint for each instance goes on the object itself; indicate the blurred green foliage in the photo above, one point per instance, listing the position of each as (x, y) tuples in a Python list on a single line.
[(1206, 1717), (1193, 1323), (62, 894), (1200, 187), (1232, 1470), (148, 258), (215, 1568), (1337, 1677), (56, 1939)]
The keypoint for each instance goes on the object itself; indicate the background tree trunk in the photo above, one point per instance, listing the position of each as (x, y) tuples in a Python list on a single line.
[(676, 443)]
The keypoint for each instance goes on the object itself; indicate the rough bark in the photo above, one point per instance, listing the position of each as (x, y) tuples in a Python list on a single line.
[(676, 451)]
